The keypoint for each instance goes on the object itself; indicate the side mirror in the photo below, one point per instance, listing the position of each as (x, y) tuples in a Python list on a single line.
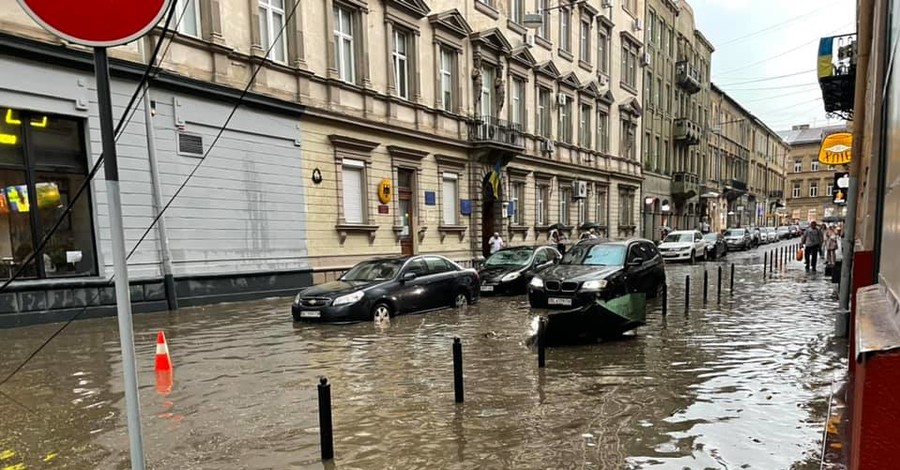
[(635, 262), (408, 277)]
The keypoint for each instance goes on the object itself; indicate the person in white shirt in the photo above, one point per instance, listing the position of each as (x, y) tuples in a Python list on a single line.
[(496, 243)]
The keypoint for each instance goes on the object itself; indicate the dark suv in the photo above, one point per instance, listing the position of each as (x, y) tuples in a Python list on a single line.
[(595, 269)]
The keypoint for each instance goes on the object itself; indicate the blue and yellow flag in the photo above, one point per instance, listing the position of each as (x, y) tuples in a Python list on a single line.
[(826, 50)]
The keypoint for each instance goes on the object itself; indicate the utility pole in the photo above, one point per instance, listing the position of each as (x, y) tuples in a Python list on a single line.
[(766, 184)]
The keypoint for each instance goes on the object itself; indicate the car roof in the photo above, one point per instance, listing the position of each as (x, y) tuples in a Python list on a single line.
[(683, 231)]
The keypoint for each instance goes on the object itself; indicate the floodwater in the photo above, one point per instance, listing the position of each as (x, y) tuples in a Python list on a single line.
[(743, 384)]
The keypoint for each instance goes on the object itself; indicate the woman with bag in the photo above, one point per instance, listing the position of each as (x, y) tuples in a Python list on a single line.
[(831, 246)]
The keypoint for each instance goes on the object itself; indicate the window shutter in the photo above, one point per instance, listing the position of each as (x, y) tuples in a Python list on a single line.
[(449, 202), (353, 195)]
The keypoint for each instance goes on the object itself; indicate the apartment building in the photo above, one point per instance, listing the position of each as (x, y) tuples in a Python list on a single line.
[(369, 128), (809, 183), (768, 158), (676, 104)]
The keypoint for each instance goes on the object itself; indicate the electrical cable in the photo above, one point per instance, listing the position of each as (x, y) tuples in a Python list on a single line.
[(818, 10), (744, 67), (777, 77), (800, 85)]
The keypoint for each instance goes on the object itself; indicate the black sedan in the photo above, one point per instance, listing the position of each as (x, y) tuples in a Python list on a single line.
[(715, 245), (602, 270), (509, 271), (387, 287)]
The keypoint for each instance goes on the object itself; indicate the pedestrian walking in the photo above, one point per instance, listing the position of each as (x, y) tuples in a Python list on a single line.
[(704, 226), (496, 243), (813, 240), (559, 240), (831, 246)]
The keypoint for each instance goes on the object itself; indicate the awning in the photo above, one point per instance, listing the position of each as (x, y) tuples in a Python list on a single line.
[(710, 195)]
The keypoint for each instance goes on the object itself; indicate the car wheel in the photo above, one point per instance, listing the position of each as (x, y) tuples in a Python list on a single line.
[(461, 300), (382, 311)]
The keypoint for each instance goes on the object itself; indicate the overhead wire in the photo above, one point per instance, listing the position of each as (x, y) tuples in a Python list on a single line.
[(767, 79), (818, 10)]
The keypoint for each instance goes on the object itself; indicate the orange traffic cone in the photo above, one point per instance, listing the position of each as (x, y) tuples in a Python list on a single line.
[(163, 361)]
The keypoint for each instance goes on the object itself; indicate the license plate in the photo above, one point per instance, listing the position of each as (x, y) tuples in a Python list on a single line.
[(310, 314), (487, 288), (556, 301)]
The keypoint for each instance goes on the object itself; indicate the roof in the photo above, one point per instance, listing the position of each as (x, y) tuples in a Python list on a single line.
[(811, 135)]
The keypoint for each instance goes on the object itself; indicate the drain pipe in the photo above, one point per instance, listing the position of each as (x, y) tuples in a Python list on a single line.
[(162, 233), (864, 45)]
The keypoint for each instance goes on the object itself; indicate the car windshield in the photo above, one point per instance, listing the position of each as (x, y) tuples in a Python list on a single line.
[(711, 237), (516, 257), (375, 270), (734, 233), (596, 255), (679, 238)]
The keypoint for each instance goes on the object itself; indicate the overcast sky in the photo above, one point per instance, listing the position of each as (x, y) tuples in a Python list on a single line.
[(757, 40)]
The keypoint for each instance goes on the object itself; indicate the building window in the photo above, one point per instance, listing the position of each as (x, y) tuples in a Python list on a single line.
[(600, 203), (189, 22), (517, 11), (602, 131), (401, 63), (582, 212), (603, 49), (354, 188), (518, 196), (631, 6), (448, 61), (449, 198), (585, 42), (487, 91), (565, 195), (813, 189), (626, 207), (565, 121), (544, 30), (795, 191), (489, 3), (517, 102), (540, 207), (584, 126), (814, 166), (629, 64), (344, 44), (44, 163), (626, 142), (829, 190), (657, 92), (544, 112), (271, 22), (565, 30), (651, 25)]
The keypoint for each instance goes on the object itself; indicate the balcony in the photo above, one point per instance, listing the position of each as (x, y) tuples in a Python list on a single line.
[(734, 189), (687, 131), (776, 194), (688, 77), (685, 185), (493, 132), (837, 74)]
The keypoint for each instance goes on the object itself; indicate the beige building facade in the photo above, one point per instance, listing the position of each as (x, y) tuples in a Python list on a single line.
[(809, 187)]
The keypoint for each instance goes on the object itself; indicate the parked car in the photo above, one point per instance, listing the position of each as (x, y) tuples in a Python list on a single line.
[(715, 245), (597, 269), (795, 231), (509, 271), (771, 234), (738, 239), (387, 287), (683, 245), (803, 226), (783, 232)]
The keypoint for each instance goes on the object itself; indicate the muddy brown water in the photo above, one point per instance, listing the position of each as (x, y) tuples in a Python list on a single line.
[(743, 384)]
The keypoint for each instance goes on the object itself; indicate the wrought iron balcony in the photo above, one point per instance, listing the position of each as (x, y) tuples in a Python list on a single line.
[(490, 130), (738, 185), (776, 194), (687, 131), (837, 74), (685, 185), (688, 77)]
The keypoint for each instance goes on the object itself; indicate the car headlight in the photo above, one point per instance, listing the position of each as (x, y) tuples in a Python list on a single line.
[(593, 286), (510, 277), (297, 299), (348, 299), (537, 283)]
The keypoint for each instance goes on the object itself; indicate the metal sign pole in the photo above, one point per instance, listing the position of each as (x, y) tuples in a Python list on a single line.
[(123, 296)]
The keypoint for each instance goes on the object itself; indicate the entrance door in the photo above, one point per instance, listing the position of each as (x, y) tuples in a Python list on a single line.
[(406, 208)]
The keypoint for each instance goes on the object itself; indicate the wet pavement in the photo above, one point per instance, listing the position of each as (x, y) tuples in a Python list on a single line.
[(744, 384)]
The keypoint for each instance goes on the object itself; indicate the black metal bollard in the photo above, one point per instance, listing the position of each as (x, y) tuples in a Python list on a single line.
[(765, 263), (457, 371), (719, 286), (687, 293), (326, 433), (705, 285), (732, 278), (541, 345), (665, 299), (772, 262)]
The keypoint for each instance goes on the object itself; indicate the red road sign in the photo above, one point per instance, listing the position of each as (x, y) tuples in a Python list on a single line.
[(96, 23)]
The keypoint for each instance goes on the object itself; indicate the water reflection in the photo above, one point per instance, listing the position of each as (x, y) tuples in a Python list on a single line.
[(722, 386)]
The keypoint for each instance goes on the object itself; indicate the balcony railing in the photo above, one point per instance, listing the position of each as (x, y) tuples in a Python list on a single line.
[(491, 130), (738, 185), (688, 77), (687, 131), (776, 194), (837, 74), (685, 185)]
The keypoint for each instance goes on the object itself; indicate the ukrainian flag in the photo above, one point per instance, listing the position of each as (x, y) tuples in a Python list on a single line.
[(826, 50)]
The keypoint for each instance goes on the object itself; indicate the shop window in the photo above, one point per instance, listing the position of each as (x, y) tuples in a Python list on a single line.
[(42, 164)]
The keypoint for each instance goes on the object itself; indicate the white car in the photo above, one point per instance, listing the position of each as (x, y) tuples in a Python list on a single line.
[(685, 245)]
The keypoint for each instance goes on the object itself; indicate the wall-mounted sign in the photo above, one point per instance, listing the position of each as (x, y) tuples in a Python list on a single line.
[(839, 188), (317, 176), (430, 199), (465, 207), (385, 191), (835, 149), (384, 209)]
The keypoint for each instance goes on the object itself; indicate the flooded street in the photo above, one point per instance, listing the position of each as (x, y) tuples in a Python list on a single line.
[(743, 384)]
